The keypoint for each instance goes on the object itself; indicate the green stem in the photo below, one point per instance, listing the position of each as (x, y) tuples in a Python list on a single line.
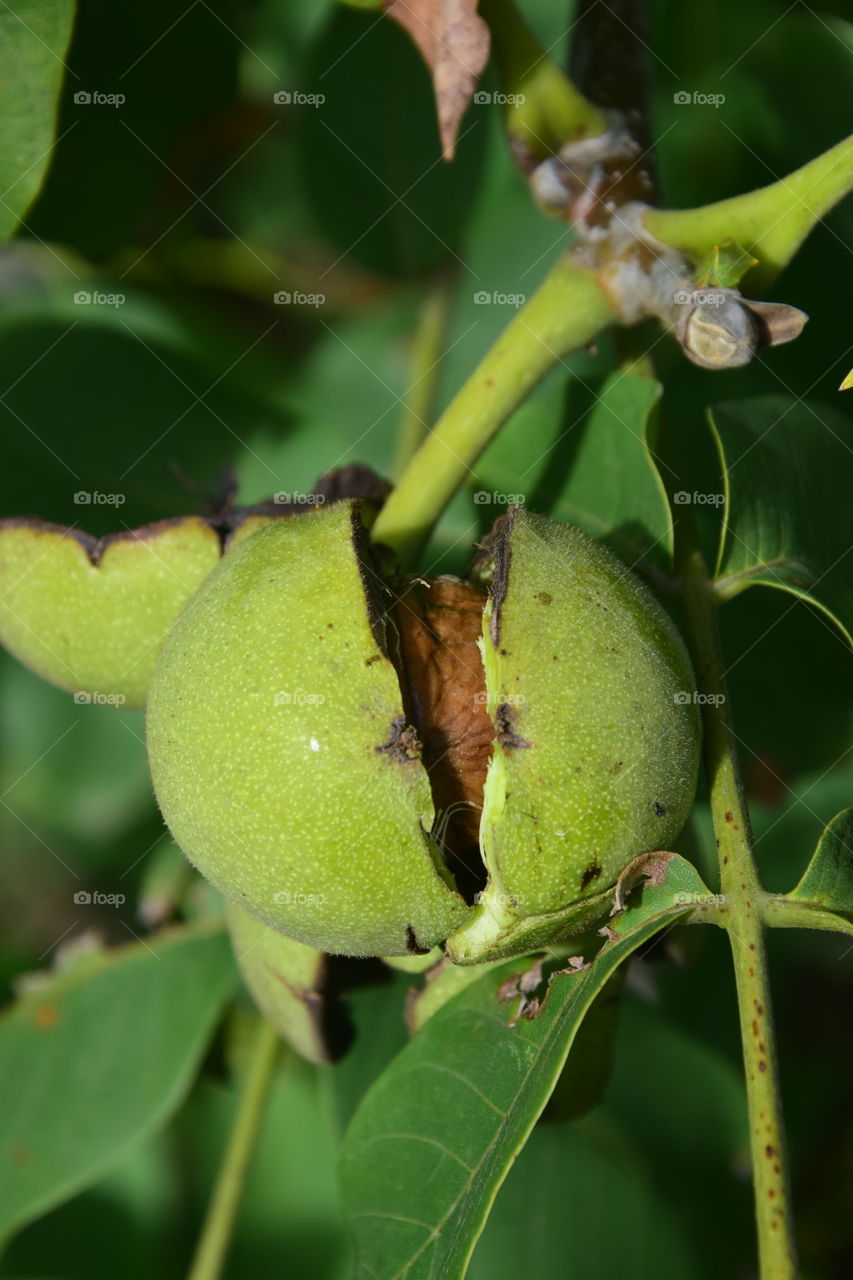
[(545, 109), (743, 918), (425, 358), (567, 310), (213, 1243), (771, 223)]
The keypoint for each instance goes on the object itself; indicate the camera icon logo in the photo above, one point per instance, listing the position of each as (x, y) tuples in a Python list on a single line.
[(681, 498), (282, 97), (82, 296), (681, 98), (282, 298), (681, 698), (82, 97), (82, 898), (81, 697), (482, 297), (82, 498)]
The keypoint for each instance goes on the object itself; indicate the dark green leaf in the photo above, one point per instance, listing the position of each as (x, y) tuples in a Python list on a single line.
[(580, 1204), (99, 1058), (34, 37), (724, 266), (583, 1081), (378, 1018), (371, 152), (459, 1102), (779, 455), (593, 463), (824, 897)]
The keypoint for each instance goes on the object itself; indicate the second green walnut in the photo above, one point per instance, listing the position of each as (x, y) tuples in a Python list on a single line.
[(375, 765)]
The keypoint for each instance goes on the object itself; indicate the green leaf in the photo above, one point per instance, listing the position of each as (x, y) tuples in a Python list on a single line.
[(34, 36), (781, 455), (724, 265), (593, 463), (98, 1058), (378, 1015), (289, 1208), (371, 161), (459, 1102), (824, 897), (573, 1188), (635, 1188)]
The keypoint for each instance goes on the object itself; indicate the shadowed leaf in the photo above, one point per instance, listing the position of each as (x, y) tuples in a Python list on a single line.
[(461, 1099), (780, 455), (824, 897), (34, 36)]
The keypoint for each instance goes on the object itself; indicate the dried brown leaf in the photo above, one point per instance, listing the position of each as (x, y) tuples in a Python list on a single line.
[(454, 42)]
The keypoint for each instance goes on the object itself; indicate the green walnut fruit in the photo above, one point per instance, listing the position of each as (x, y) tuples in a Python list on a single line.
[(375, 766), (88, 614), (290, 984)]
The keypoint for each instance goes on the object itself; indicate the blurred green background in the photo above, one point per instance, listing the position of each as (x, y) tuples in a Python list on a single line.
[(196, 201)]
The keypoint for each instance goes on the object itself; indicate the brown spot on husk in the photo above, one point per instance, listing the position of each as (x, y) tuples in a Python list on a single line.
[(592, 872), (507, 736), (403, 744)]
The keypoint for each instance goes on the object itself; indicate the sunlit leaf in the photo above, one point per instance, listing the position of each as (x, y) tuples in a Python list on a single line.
[(98, 1058)]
